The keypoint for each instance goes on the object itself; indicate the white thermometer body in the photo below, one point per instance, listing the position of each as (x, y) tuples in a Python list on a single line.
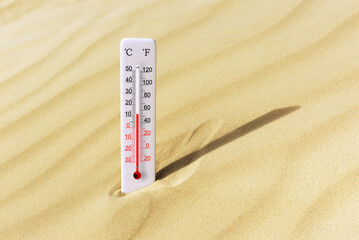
[(138, 113)]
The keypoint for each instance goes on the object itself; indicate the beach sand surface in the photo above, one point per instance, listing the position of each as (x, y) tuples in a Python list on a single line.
[(257, 120)]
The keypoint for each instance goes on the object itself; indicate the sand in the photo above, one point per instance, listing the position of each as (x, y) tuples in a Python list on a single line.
[(257, 120)]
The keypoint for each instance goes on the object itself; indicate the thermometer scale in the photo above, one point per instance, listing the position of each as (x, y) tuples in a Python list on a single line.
[(138, 115)]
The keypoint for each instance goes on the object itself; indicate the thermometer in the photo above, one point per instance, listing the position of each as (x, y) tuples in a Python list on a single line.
[(138, 113)]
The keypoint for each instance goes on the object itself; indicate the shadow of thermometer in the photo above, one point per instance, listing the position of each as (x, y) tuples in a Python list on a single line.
[(138, 113)]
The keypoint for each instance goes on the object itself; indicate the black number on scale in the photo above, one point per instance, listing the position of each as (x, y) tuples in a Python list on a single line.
[(147, 120), (128, 102), (128, 90), (146, 94), (147, 107), (147, 82), (147, 69), (128, 113), (128, 68), (128, 80)]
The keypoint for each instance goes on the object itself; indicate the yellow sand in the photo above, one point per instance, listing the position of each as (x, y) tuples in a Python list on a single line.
[(257, 120)]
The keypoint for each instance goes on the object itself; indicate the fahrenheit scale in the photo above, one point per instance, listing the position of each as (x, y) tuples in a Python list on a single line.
[(138, 113)]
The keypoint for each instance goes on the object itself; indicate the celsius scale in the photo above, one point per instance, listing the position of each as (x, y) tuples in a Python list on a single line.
[(138, 113)]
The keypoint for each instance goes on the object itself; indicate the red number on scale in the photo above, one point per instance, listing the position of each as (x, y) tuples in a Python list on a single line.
[(127, 125), (128, 136), (147, 132), (147, 158), (128, 159), (128, 148), (147, 145)]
